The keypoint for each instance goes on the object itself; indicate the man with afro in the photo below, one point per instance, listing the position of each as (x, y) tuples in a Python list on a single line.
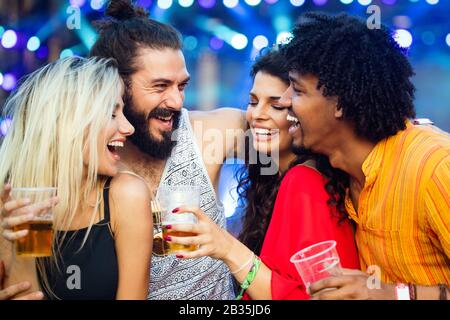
[(351, 99)]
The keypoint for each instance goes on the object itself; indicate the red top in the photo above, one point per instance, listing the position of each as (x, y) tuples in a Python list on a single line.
[(301, 218)]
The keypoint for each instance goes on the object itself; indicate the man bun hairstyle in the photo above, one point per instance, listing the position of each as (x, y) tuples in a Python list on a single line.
[(124, 10), (127, 28)]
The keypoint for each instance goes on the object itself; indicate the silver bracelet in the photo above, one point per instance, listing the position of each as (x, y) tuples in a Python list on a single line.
[(244, 265)]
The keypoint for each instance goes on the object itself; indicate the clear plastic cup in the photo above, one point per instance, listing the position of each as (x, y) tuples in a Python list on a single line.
[(38, 241), (171, 197), (317, 262)]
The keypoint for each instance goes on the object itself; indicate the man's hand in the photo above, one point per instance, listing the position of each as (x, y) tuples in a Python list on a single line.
[(351, 285)]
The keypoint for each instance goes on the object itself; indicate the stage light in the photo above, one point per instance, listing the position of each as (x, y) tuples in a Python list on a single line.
[(2, 31), (402, 22), (239, 41), (281, 23), (4, 126), (143, 3), (432, 2), (320, 2), (190, 43), (271, 1), (9, 39), (428, 38), (33, 43), (42, 52), (216, 43), (9, 82), (252, 2), (207, 4), (297, 3), (165, 4), (97, 4), (66, 53), (346, 1), (403, 38), (77, 3), (284, 37), (365, 2), (185, 3), (447, 39), (230, 3), (1, 78), (260, 42)]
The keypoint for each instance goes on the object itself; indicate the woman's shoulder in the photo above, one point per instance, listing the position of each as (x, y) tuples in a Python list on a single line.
[(303, 173), (126, 187), (130, 196)]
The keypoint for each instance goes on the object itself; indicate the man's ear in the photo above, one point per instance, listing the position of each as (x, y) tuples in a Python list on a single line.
[(338, 112)]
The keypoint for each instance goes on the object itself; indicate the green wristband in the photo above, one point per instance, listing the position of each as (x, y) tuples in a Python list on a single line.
[(250, 277)]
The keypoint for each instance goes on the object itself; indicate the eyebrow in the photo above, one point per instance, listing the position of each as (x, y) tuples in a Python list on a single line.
[(270, 98), (292, 79), (167, 81)]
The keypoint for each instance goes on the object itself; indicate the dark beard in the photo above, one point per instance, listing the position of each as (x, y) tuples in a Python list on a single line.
[(142, 137), (301, 150)]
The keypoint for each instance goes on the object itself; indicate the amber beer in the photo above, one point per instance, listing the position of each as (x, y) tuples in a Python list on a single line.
[(172, 197), (176, 247), (38, 241)]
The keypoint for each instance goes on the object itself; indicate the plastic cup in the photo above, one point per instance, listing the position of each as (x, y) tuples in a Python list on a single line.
[(317, 262), (38, 241), (171, 197)]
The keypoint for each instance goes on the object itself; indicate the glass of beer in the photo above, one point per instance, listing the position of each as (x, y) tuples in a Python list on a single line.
[(171, 197), (38, 241)]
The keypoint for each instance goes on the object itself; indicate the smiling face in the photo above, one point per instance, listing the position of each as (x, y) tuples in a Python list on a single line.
[(313, 116), (266, 118), (157, 96), (110, 138)]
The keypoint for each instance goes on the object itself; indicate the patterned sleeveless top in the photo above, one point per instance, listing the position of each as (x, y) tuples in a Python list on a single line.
[(192, 279)]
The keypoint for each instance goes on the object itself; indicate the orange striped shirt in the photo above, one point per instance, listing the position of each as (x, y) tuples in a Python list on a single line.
[(403, 216)]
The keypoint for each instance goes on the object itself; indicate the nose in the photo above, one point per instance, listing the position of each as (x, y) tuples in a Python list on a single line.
[(286, 98), (259, 112), (175, 99), (125, 127)]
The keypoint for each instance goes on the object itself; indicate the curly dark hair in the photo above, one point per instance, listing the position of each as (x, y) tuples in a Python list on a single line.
[(260, 191), (364, 68)]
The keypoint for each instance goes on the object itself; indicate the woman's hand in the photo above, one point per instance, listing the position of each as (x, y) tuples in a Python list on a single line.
[(213, 240), (11, 292), (20, 211)]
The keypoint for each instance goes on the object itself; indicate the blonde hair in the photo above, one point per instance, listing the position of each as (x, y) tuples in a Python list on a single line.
[(57, 112)]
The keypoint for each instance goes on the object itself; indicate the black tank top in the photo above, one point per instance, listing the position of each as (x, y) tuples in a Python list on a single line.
[(87, 274)]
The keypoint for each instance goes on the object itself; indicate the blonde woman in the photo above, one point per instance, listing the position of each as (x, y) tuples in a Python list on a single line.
[(67, 123)]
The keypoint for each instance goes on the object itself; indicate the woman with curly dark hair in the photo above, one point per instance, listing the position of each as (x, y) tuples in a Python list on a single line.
[(298, 205)]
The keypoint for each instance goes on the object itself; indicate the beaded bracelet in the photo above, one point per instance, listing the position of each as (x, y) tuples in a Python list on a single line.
[(443, 291), (412, 291), (250, 276)]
